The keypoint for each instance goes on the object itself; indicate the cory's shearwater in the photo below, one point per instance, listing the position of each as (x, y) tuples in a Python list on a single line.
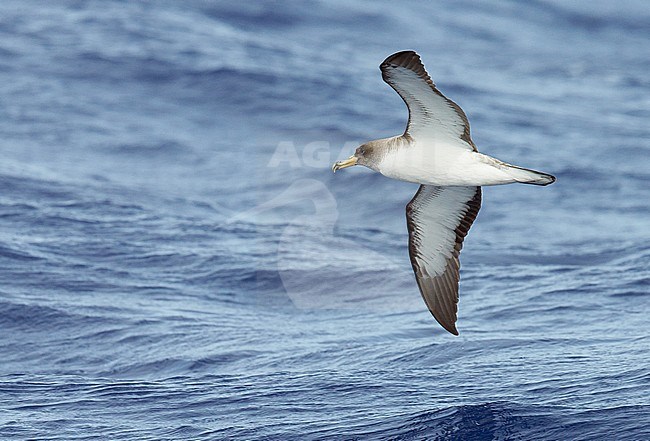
[(437, 152)]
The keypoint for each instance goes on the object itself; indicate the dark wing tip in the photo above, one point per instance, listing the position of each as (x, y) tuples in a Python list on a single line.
[(448, 324), (407, 59), (399, 58)]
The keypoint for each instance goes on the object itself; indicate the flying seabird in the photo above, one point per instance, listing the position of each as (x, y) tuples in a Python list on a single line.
[(437, 152)]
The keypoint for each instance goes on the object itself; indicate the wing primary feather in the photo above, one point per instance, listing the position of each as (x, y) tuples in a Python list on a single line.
[(438, 275)]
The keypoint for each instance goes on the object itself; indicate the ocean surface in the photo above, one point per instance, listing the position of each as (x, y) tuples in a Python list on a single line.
[(177, 260)]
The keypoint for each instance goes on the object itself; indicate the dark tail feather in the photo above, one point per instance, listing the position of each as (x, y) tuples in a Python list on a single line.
[(528, 176)]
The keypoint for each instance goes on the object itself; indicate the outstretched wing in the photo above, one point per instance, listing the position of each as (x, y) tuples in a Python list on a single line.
[(438, 219), (432, 116)]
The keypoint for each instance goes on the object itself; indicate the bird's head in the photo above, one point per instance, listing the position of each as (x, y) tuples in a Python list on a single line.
[(363, 155)]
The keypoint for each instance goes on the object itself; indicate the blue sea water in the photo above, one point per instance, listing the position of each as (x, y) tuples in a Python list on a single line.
[(177, 260)]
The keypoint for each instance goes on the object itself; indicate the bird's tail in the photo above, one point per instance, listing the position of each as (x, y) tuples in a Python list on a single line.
[(528, 176)]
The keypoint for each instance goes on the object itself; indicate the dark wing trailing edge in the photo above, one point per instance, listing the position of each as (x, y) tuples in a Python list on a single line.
[(432, 115), (438, 219)]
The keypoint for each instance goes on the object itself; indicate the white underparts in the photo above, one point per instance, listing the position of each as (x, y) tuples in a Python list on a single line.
[(448, 165)]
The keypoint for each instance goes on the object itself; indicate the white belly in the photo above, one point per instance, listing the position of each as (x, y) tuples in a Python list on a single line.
[(443, 165)]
